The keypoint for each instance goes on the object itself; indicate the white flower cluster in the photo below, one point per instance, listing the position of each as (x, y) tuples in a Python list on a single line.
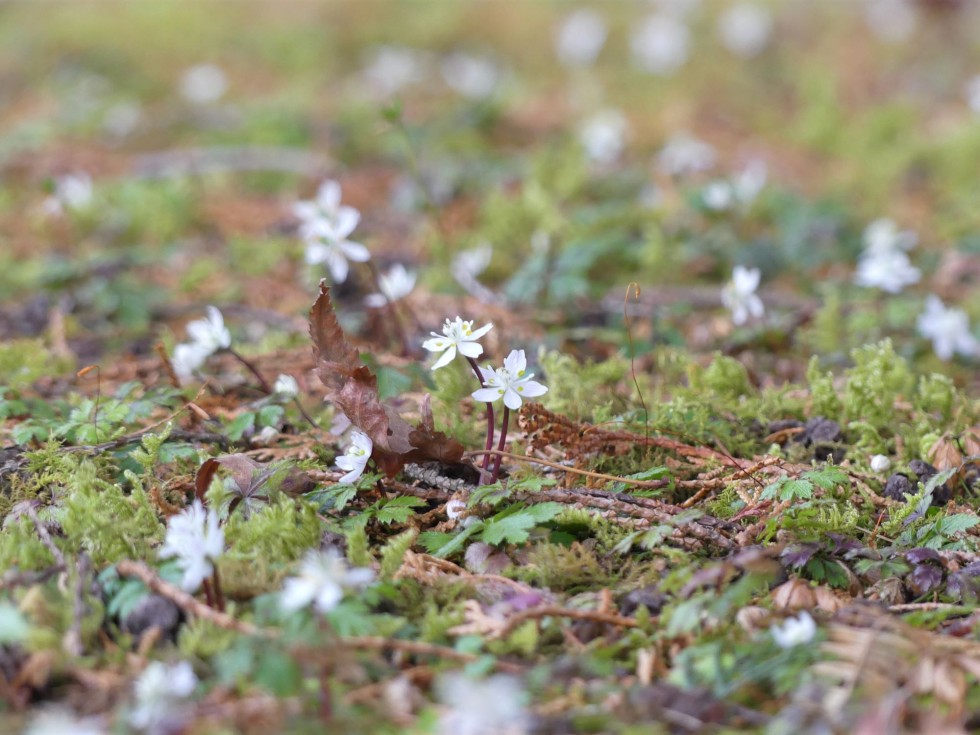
[(160, 690), (739, 294), (196, 541), (72, 192), (323, 577), (884, 263), (949, 330), (326, 226), (207, 335), (741, 189)]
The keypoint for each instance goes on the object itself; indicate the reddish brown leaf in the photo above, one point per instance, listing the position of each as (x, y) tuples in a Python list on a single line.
[(241, 467), (336, 358), (944, 454)]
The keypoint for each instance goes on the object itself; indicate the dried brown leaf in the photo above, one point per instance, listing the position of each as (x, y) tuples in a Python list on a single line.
[(944, 454)]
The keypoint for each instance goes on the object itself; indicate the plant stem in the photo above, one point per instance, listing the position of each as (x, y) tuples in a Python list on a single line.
[(263, 383), (489, 444), (500, 445), (219, 596), (303, 412)]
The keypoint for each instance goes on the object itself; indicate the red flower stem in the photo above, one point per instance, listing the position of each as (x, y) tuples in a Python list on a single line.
[(490, 431), (500, 445), (263, 383), (208, 594), (219, 596)]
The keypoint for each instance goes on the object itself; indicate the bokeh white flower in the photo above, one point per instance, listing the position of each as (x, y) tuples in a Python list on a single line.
[(603, 136), (393, 68), (683, 154), (471, 76), (327, 241), (718, 195), (394, 285), (286, 386), (745, 28), (971, 90), (210, 332), (325, 205), (794, 632), (160, 691), (660, 44), (457, 336), (948, 328), (892, 21), (580, 37), (57, 721), (739, 295), (512, 382), (203, 84), (884, 263), (883, 236), (356, 458), (73, 192), (323, 577), (195, 539), (492, 706)]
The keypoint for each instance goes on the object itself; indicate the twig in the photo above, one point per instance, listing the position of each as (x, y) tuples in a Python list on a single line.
[(574, 470), (28, 579), (73, 638), (45, 537), (556, 611), (187, 602), (927, 607)]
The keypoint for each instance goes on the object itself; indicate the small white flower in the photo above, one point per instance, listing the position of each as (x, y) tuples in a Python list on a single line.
[(750, 181), (323, 577), (473, 77), (883, 236), (327, 242), (203, 83), (187, 358), (392, 68), (794, 631), (718, 196), (660, 45), (892, 21), (455, 509), (210, 333), (121, 119), (603, 136), (745, 29), (492, 706), (512, 382), (740, 297), (73, 192), (457, 336), (196, 540), (286, 386), (56, 721), (159, 691), (580, 38), (356, 458), (949, 330), (326, 205), (889, 271), (971, 90), (684, 154), (396, 284), (880, 463)]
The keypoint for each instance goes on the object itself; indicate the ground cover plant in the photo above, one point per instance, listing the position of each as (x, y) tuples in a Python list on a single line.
[(485, 368)]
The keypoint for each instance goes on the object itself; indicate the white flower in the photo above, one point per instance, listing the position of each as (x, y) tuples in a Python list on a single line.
[(356, 458), (393, 68), (326, 242), (883, 236), (949, 329), (511, 382), (880, 463), (323, 576), (740, 297), (718, 195), (286, 386), (187, 358), (159, 691), (971, 90), (56, 721), (794, 631), (396, 284), (196, 540), (473, 77), (122, 118), (203, 83), (456, 336), (684, 154), (892, 21), (492, 706), (71, 191), (603, 136), (210, 333), (326, 205), (889, 271), (745, 29), (455, 509), (660, 45), (750, 181), (580, 38)]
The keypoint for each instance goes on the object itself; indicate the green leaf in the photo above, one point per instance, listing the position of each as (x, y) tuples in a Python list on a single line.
[(398, 510), (828, 477), (957, 523), (238, 427), (514, 527)]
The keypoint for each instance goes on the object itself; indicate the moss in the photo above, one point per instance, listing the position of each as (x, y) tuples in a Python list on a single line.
[(877, 381), (278, 533), (578, 388), (725, 377)]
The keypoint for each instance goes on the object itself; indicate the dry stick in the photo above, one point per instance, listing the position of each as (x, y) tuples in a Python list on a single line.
[(555, 611), (187, 602), (574, 470), (73, 638), (45, 537), (263, 383)]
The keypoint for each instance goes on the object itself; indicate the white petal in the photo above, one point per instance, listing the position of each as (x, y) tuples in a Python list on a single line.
[(297, 593), (346, 222), (436, 344), (375, 301), (447, 357), (338, 267), (328, 196), (470, 349), (355, 251), (487, 395), (328, 597), (477, 333), (532, 389), (512, 399)]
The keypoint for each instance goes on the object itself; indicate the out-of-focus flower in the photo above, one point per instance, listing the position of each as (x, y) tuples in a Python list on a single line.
[(327, 242), (745, 29), (493, 706), (196, 540), (469, 264), (684, 154), (739, 295), (392, 68), (750, 181), (971, 90), (794, 631), (660, 45), (210, 333), (455, 509), (892, 21), (323, 577), (473, 77), (356, 458), (457, 336), (56, 721), (580, 37), (121, 119), (187, 358), (159, 691), (396, 284), (948, 328), (326, 205), (883, 236), (286, 386), (718, 195), (880, 463), (203, 83), (603, 136), (73, 192), (512, 382), (889, 271)]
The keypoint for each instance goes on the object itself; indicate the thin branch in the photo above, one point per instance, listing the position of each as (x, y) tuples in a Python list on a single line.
[(574, 470), (422, 648), (45, 537), (556, 611)]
